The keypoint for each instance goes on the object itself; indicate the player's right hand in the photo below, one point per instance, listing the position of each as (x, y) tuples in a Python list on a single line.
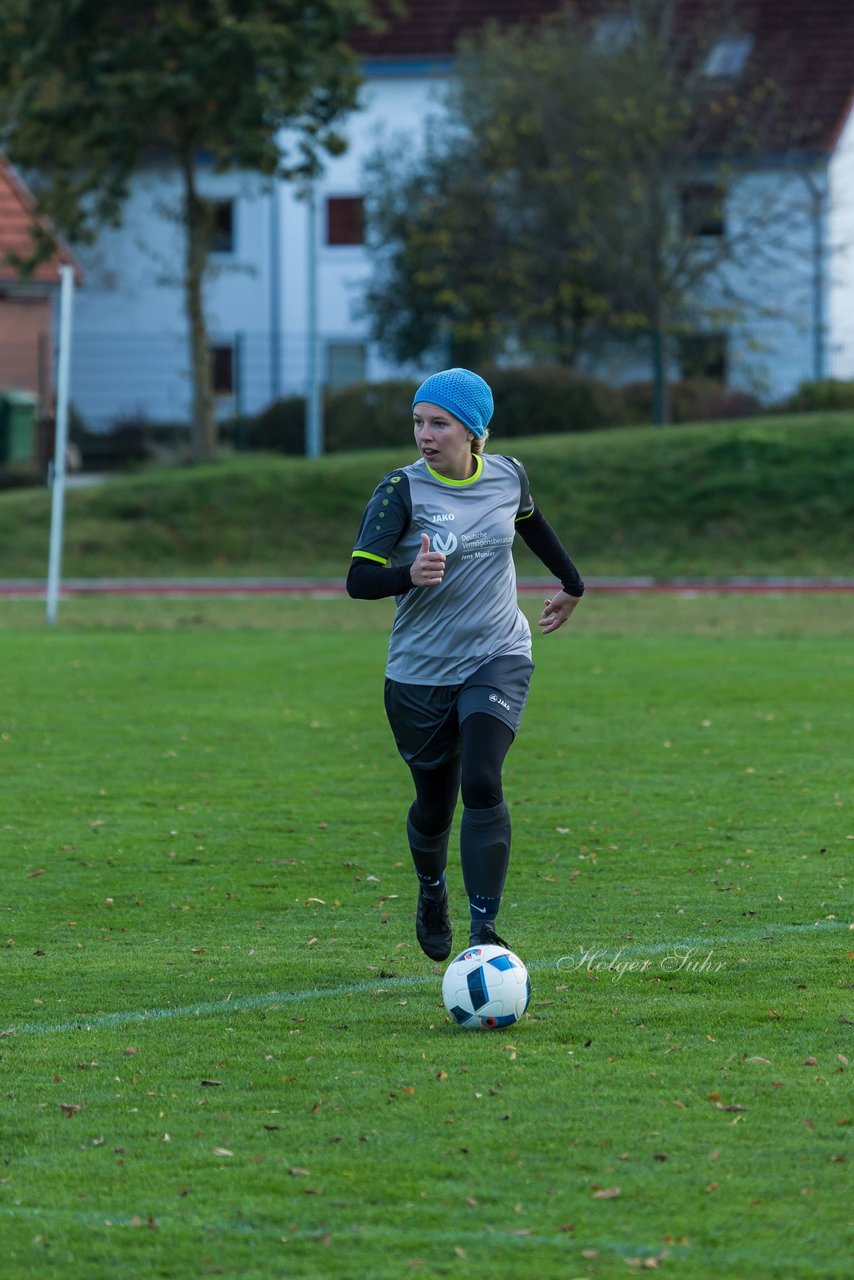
[(428, 567)]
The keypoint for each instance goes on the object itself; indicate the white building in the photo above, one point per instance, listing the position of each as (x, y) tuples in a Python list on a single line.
[(275, 258)]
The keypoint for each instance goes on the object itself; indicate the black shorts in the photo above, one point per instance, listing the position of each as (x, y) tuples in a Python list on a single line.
[(425, 719)]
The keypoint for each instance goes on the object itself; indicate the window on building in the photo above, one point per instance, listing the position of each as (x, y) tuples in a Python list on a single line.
[(727, 57), (346, 363), (703, 209), (345, 220), (223, 369), (222, 226), (703, 356)]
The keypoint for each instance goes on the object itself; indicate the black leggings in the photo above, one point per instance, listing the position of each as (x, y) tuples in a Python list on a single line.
[(484, 743)]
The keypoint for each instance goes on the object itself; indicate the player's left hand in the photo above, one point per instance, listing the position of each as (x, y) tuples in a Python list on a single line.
[(558, 609)]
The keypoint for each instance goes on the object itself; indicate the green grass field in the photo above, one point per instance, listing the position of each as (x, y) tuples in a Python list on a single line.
[(222, 1052)]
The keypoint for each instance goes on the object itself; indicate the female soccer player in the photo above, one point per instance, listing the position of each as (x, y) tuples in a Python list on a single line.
[(437, 535)]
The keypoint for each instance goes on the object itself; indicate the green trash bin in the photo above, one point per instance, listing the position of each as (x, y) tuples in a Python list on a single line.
[(18, 412)]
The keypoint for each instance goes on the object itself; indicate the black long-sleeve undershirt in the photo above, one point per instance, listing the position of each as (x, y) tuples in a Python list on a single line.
[(370, 580), (539, 536)]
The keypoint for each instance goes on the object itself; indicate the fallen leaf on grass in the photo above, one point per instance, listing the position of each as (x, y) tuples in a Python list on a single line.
[(222, 1151), (70, 1108), (296, 1172), (210, 1083), (607, 1193), (31, 875)]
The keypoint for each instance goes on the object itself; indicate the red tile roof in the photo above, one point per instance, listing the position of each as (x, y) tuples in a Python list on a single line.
[(16, 215), (810, 43)]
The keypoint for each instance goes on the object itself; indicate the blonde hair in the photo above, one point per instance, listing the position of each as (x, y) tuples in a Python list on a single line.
[(479, 441)]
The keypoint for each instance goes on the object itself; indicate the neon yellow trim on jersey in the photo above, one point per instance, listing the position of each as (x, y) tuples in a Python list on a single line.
[(458, 484), (527, 515), (366, 555)]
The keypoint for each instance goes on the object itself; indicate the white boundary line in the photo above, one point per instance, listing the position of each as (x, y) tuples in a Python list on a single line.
[(271, 1000)]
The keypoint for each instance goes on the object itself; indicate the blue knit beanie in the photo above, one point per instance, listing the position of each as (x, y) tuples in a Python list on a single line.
[(462, 393)]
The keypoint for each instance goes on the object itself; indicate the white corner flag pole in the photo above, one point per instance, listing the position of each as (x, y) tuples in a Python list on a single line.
[(61, 442)]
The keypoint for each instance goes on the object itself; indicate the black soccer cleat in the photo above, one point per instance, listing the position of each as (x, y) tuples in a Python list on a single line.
[(433, 925), (484, 935)]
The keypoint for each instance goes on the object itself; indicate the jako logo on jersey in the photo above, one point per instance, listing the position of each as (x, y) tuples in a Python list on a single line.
[(493, 697), (445, 516), (446, 545)]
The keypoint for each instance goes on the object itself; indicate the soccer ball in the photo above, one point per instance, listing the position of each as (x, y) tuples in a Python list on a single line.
[(486, 987)]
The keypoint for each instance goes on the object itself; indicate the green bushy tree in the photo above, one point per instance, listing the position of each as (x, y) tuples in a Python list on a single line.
[(94, 87), (555, 210)]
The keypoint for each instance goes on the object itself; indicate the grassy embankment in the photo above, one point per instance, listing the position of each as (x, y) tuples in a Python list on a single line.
[(762, 496)]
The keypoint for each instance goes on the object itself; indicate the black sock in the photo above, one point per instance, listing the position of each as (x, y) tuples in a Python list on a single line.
[(485, 854), (429, 857)]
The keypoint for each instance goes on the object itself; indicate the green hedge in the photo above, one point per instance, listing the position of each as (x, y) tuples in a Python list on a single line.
[(820, 397), (537, 402), (528, 402), (691, 401), (376, 415)]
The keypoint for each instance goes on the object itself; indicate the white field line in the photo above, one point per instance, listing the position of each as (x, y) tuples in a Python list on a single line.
[(271, 1000), (364, 1236)]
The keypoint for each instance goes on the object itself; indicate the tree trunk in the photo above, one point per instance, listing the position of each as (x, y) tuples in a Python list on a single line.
[(196, 227)]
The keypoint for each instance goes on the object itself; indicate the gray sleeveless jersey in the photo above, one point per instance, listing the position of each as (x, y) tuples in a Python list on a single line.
[(442, 634)]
